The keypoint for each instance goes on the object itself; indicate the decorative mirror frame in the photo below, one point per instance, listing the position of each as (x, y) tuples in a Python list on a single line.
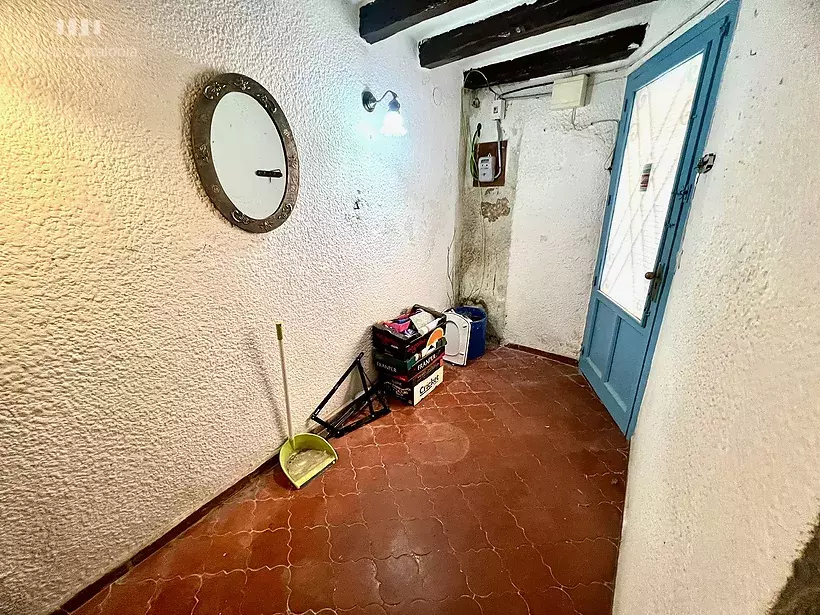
[(204, 108)]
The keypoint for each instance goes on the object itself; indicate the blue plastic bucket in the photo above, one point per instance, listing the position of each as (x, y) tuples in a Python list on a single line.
[(478, 330)]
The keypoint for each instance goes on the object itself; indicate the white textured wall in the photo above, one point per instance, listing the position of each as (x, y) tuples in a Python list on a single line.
[(138, 374), (485, 219), (724, 474), (533, 267), (562, 189)]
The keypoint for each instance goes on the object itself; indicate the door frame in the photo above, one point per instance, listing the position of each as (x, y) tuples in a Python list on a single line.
[(712, 35)]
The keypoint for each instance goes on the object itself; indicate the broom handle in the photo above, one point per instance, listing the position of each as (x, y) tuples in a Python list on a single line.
[(280, 335)]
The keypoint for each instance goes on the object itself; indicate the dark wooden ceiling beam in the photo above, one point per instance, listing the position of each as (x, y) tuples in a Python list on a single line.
[(515, 25), (609, 47), (384, 18)]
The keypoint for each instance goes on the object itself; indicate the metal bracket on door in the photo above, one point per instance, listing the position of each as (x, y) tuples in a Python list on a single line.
[(706, 164)]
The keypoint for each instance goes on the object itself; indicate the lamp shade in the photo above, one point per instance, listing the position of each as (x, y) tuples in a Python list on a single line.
[(393, 124)]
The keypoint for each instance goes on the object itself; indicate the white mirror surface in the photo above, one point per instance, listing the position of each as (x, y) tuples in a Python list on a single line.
[(244, 139)]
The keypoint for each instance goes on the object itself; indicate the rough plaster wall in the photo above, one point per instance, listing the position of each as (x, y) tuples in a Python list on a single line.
[(485, 221), (724, 475), (139, 374), (528, 248), (562, 188)]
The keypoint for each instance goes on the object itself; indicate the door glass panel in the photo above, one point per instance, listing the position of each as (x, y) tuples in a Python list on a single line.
[(657, 130)]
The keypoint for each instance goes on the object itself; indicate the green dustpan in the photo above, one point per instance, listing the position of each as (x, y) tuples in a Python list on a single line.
[(304, 456)]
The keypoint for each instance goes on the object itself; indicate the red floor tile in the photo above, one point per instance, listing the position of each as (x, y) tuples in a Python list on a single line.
[(503, 531), (309, 545), (527, 570), (463, 605), (388, 539), (234, 517), (361, 437), (425, 536), (130, 598), (228, 552), (371, 609), (218, 592), (174, 597), (437, 475), (404, 476), (592, 599), (271, 514), (379, 506), (344, 509), (467, 472), (550, 601), (356, 584), (612, 487), (503, 604), (582, 562), (399, 579), (269, 548), (372, 479), (311, 587), (365, 456), (413, 504), (394, 453), (307, 512), (266, 591), (341, 481), (441, 576), (387, 434), (500, 494), (349, 542), (465, 533), (485, 572)]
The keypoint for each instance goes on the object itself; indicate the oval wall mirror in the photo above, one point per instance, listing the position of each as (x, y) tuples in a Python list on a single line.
[(245, 153)]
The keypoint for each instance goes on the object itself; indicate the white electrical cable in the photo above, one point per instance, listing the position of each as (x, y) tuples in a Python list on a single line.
[(500, 167)]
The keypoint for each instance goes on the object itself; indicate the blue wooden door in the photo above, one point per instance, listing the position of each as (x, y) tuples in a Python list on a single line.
[(668, 108)]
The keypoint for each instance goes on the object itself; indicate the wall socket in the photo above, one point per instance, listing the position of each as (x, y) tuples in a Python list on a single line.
[(499, 109)]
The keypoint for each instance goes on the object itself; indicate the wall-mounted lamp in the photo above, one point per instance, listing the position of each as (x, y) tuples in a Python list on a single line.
[(393, 124)]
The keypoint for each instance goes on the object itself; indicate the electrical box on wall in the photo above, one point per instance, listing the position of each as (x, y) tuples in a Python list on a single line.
[(486, 169), (570, 93), (499, 109), (488, 165)]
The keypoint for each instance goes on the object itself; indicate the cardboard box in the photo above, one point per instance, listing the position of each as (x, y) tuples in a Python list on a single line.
[(424, 366), (416, 389), (407, 368), (387, 341)]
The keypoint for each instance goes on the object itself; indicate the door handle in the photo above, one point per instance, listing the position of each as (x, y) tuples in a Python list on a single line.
[(656, 278)]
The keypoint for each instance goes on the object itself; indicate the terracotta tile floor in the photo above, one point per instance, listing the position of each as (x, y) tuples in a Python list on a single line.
[(501, 494)]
